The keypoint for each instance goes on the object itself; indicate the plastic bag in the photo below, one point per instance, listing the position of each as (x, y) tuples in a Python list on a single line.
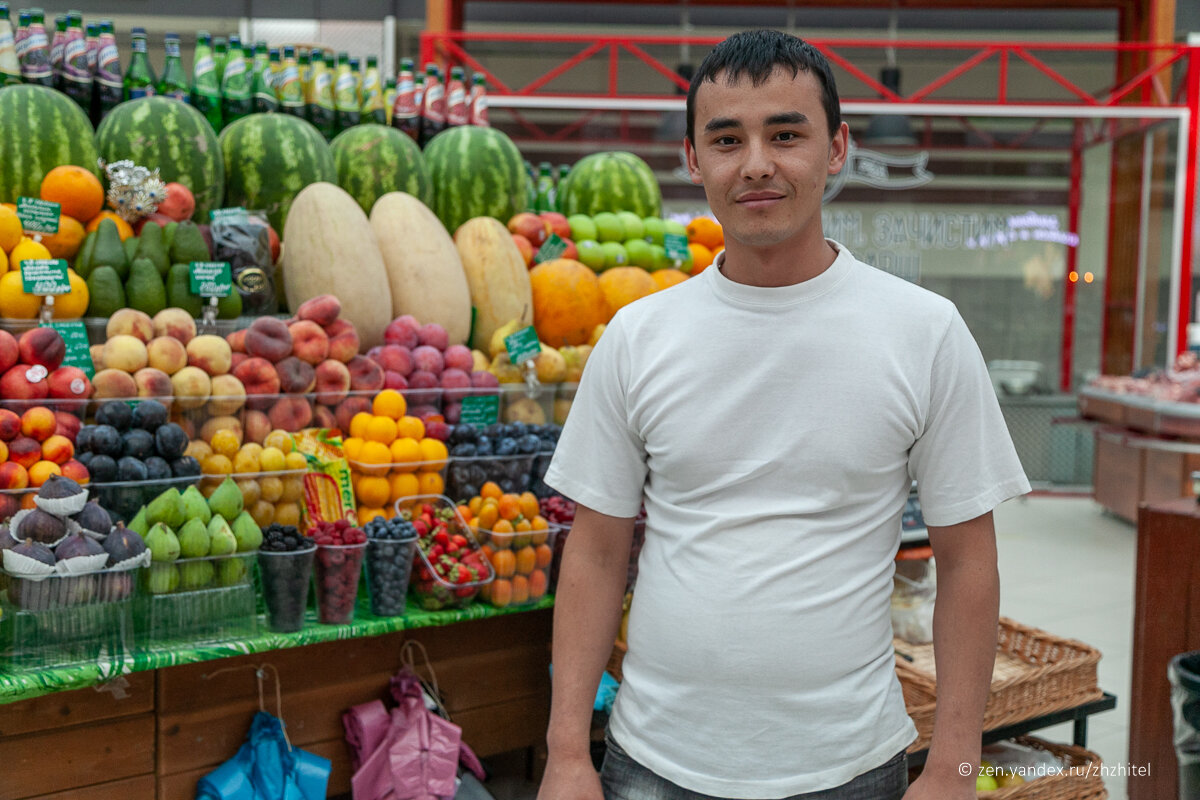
[(913, 596), (245, 243)]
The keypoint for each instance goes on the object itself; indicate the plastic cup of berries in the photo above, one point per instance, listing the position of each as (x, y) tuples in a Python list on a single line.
[(285, 561), (390, 547), (339, 559)]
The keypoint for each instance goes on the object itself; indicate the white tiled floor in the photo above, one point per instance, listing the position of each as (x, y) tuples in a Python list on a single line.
[(1065, 567)]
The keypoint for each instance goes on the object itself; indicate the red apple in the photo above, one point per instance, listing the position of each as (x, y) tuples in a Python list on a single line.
[(571, 252), (557, 223), (531, 226), (525, 247)]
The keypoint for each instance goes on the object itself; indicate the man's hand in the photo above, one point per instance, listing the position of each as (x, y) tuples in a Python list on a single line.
[(936, 785), (571, 778)]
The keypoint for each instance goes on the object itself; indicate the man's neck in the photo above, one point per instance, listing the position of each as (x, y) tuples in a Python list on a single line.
[(783, 264)]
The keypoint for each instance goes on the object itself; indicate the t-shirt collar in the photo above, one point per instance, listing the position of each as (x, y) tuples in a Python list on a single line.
[(742, 293)]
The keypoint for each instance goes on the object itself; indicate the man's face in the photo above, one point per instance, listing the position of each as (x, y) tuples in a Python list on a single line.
[(763, 154)]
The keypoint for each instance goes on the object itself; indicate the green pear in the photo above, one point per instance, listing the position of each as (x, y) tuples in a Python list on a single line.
[(164, 578), (231, 571), (221, 537), (226, 501), (195, 506), (246, 531), (195, 575), (194, 541), (138, 524), (167, 508), (163, 543)]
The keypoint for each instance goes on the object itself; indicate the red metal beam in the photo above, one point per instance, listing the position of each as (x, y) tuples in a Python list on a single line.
[(1074, 202), (566, 66), (1189, 203), (954, 73)]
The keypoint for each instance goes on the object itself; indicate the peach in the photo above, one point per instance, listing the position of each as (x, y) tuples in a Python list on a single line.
[(210, 353), (291, 414), (322, 309), (38, 423), (394, 380), (428, 359), (179, 204), (10, 352), (97, 353), (10, 426), (402, 331), (323, 418), (175, 322), (166, 353), (259, 377), (295, 376), (126, 353), (153, 382), (9, 504), (192, 387), (13, 475), (76, 471), (365, 374), (394, 358), (58, 449), (257, 426), (228, 395), (309, 342), (343, 340), (456, 384), (269, 338), (43, 346), (110, 383), (69, 383), (236, 359), (348, 408), (230, 423), (531, 226), (24, 382), (458, 356), (420, 379), (433, 335), (525, 248), (332, 381), (130, 322), (68, 425), (24, 451), (237, 341)]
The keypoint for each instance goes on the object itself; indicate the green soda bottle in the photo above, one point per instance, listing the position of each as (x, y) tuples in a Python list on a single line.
[(389, 99), (263, 86), (206, 89), (236, 98), (345, 94), (139, 78), (174, 81), (372, 109), (220, 56), (288, 88), (321, 111)]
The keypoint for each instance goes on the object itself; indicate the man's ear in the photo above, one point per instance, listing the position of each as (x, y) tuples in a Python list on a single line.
[(839, 147), (692, 164)]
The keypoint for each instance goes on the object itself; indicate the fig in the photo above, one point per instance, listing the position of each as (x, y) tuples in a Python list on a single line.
[(41, 527), (123, 544), (60, 496), (35, 550), (94, 518)]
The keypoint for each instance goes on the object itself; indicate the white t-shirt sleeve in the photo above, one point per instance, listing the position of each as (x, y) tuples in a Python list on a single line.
[(600, 460), (964, 461)]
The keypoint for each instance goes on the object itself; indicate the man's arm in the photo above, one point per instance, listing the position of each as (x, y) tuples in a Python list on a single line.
[(587, 613), (965, 623)]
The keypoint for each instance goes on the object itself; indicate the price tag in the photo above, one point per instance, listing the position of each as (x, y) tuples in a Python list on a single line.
[(676, 247), (45, 276), (231, 214), (210, 278), (38, 216), (79, 354), (480, 410), (551, 249), (522, 346)]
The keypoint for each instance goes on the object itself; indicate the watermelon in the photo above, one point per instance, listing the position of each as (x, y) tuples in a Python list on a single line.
[(610, 182), (373, 160), (476, 172), (40, 129), (269, 158), (172, 137)]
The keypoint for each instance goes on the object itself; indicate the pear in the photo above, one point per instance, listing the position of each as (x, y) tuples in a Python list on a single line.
[(195, 506), (221, 538), (167, 508), (138, 524), (163, 544), (226, 501), (195, 575), (246, 531), (194, 539), (496, 343)]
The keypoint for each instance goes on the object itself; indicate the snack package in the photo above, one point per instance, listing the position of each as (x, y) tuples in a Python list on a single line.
[(328, 491), (246, 245)]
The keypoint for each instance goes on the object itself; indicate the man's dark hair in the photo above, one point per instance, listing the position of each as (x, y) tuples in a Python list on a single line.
[(757, 54)]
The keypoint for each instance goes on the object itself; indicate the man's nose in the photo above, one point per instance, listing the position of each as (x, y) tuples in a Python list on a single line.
[(759, 162)]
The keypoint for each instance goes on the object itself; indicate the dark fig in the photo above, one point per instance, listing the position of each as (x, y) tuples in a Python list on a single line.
[(61, 496), (77, 546), (123, 544), (94, 518), (41, 527), (35, 550)]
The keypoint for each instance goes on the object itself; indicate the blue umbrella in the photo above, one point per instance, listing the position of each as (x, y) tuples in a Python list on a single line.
[(267, 767)]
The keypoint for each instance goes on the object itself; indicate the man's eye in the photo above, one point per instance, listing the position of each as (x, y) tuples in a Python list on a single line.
[(724, 140), (787, 136)]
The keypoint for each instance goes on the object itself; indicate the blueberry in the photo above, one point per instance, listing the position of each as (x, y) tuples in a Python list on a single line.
[(115, 413), (547, 445), (506, 446), (484, 446), (463, 450)]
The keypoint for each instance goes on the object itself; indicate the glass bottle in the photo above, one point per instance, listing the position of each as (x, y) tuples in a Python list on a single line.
[(345, 94), (288, 88), (457, 112), (10, 65), (220, 56), (263, 87), (206, 87), (433, 108), (34, 52), (236, 98), (174, 82), (478, 104), (139, 77), (406, 116), (56, 48), (75, 75), (321, 111), (371, 108), (110, 89), (389, 100), (544, 200)]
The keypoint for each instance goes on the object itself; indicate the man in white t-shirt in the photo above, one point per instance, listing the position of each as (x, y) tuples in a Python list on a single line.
[(771, 413)]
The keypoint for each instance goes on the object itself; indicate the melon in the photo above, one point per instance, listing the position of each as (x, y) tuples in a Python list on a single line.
[(568, 303), (476, 172), (372, 160), (40, 129), (423, 267), (613, 182), (331, 250), (172, 137), (497, 276)]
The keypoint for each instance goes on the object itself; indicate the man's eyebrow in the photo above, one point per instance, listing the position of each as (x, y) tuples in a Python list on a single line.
[(721, 123), (787, 118)]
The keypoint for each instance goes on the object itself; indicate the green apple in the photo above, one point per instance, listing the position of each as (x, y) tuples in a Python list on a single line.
[(634, 229), (660, 258), (582, 227), (609, 227), (985, 783), (671, 226), (591, 254), (640, 252), (653, 229), (615, 255)]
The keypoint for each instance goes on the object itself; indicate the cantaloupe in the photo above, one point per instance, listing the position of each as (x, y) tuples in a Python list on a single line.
[(497, 276), (331, 249), (568, 303), (424, 270)]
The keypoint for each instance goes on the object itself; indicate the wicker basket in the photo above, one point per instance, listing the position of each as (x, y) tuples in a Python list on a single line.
[(1035, 673), (1080, 781)]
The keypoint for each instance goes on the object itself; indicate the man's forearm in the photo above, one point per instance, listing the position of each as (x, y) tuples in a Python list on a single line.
[(587, 614)]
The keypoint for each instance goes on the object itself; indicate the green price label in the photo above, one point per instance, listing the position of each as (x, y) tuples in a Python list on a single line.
[(676, 247), (481, 410), (550, 250), (522, 346), (38, 216), (79, 354), (43, 276), (210, 278), (228, 214)]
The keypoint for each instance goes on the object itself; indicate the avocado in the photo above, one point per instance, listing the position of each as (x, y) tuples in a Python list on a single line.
[(144, 289), (188, 244), (169, 234), (150, 246), (107, 296), (83, 260), (230, 307), (179, 291), (130, 247), (108, 251)]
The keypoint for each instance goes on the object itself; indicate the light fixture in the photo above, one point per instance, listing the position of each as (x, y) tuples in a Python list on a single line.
[(890, 130)]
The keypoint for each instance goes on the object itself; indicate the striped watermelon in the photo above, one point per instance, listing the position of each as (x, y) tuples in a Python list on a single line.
[(158, 132), (610, 182), (269, 158), (373, 160), (40, 129), (476, 172)]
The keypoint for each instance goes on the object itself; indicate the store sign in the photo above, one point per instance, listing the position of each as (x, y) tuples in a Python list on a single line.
[(210, 278), (522, 346), (1028, 227), (45, 276), (676, 247), (79, 353), (550, 250), (38, 216), (231, 214), (480, 411)]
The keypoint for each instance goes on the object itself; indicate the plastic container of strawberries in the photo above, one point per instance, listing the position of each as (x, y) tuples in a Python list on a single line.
[(436, 583)]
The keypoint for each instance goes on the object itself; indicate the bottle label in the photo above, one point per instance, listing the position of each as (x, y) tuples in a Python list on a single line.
[(139, 45), (108, 64), (479, 111), (346, 91), (234, 67), (405, 106), (93, 50), (75, 60), (56, 50), (435, 103), (204, 65), (6, 40), (172, 48), (288, 86), (456, 106), (140, 91)]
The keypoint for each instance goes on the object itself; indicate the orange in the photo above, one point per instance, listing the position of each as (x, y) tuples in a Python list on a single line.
[(352, 448), (510, 507), (389, 403), (374, 458), (403, 484), (14, 303), (501, 593), (368, 513), (623, 285), (504, 562), (10, 229), (373, 491), (487, 517), (538, 583), (65, 243), (520, 589), (666, 278), (543, 555), (3, 261), (706, 231), (380, 429), (490, 489), (123, 228), (410, 427), (26, 249), (526, 560), (359, 423), (76, 189), (702, 257), (540, 529), (433, 454), (406, 453), (473, 505), (431, 483), (40, 472), (4, 457), (529, 505), (502, 526), (522, 525), (464, 512)]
